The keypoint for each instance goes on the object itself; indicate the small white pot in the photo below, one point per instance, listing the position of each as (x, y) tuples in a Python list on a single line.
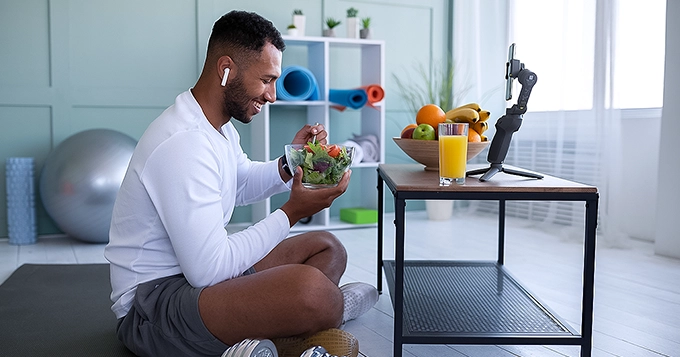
[(293, 32)]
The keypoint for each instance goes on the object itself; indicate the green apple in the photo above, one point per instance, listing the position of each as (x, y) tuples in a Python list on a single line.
[(423, 132)]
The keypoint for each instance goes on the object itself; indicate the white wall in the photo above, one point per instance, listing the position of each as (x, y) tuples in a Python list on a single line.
[(667, 212), (65, 67)]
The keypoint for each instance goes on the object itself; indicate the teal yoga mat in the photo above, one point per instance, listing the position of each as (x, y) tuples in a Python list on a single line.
[(353, 98), (297, 83)]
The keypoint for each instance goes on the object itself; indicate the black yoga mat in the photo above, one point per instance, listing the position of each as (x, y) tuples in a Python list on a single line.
[(58, 310)]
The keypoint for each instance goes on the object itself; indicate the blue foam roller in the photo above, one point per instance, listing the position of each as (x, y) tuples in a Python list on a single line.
[(353, 98), (297, 83), (21, 220)]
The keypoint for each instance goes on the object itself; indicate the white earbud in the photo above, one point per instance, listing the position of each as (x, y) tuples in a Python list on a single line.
[(226, 75)]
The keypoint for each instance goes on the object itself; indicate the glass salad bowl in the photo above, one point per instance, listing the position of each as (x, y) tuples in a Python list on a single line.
[(322, 165)]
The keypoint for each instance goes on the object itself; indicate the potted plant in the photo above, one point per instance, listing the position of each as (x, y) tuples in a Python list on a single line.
[(352, 23), (433, 84), (331, 23), (366, 30), (299, 21), (434, 87), (292, 30)]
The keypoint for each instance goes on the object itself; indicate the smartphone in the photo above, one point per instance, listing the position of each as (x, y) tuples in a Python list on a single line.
[(508, 72)]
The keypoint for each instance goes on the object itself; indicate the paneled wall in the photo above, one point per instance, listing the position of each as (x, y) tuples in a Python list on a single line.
[(72, 65)]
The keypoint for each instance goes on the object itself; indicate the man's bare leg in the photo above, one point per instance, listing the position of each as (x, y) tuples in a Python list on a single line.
[(294, 292), (319, 249)]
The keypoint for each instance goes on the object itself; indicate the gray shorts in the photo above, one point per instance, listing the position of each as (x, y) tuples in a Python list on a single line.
[(164, 321)]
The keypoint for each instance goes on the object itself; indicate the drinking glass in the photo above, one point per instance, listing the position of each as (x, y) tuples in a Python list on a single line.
[(452, 153)]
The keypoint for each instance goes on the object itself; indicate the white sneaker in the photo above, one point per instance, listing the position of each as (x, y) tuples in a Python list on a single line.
[(359, 298), (252, 348)]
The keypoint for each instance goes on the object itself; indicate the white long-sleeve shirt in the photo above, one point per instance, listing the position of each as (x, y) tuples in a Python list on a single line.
[(179, 192)]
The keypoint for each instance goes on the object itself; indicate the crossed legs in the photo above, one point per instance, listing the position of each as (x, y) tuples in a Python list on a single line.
[(294, 292)]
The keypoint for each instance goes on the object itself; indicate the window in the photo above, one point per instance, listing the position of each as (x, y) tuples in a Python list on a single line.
[(556, 40), (639, 53), (599, 64)]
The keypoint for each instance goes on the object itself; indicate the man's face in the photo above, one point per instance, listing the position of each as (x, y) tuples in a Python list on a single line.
[(253, 86)]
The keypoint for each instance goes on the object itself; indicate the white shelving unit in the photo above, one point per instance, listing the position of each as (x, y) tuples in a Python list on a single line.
[(372, 118)]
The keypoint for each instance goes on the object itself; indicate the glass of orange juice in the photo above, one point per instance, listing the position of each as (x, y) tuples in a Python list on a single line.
[(452, 153)]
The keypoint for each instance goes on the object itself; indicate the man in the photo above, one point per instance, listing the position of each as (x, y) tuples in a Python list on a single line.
[(182, 285)]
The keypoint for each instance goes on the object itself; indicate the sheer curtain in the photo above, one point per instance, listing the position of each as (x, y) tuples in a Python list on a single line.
[(573, 128)]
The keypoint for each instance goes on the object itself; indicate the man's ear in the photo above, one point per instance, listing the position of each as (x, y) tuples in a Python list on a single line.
[(224, 65)]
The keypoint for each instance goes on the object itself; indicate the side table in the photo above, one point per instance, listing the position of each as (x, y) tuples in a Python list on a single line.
[(477, 302)]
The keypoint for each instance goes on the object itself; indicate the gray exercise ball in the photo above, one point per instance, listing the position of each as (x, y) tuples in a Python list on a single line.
[(80, 180)]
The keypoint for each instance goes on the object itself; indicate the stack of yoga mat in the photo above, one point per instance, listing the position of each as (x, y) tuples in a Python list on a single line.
[(298, 83)]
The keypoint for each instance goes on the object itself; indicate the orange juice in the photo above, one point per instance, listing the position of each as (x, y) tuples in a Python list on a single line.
[(452, 157)]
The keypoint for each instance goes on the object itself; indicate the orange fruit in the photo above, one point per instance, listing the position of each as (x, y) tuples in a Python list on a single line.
[(431, 114), (407, 128), (474, 137)]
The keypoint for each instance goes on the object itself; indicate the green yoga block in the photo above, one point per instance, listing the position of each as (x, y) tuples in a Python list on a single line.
[(358, 215)]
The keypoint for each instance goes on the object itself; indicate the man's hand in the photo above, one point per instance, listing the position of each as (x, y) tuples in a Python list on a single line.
[(305, 202), (306, 134)]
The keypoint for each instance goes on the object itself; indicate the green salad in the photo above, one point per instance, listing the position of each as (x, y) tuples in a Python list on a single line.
[(321, 164)]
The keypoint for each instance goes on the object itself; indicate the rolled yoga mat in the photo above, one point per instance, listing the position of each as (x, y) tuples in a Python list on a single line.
[(353, 98), (297, 83), (374, 94)]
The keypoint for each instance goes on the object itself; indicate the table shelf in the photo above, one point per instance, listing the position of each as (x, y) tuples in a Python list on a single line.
[(457, 300)]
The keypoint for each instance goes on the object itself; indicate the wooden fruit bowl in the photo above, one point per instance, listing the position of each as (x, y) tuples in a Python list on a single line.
[(426, 152)]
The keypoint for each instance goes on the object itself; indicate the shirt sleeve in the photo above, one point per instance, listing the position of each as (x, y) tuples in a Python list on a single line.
[(184, 177), (256, 180)]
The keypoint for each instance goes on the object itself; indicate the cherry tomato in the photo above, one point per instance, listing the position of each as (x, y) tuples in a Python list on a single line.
[(333, 150)]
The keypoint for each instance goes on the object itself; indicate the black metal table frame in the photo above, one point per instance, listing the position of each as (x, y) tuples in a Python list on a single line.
[(400, 197)]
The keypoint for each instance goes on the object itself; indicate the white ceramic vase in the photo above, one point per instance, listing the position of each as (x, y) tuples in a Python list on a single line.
[(439, 210), (299, 22), (352, 27)]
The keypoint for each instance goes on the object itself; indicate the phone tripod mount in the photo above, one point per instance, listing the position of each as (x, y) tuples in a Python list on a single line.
[(509, 123)]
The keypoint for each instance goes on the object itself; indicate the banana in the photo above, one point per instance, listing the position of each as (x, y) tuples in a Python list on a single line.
[(463, 115), (474, 106), (480, 126), (484, 115), (484, 138)]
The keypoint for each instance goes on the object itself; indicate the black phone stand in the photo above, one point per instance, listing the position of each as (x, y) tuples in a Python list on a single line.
[(507, 125)]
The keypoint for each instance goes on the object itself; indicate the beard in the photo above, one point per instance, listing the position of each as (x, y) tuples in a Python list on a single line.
[(236, 101)]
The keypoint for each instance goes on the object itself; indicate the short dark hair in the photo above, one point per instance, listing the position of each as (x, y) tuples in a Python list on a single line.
[(239, 34)]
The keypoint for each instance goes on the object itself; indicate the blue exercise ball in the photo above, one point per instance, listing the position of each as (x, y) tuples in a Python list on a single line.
[(80, 180)]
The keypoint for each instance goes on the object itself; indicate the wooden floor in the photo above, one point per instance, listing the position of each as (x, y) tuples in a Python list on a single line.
[(637, 293)]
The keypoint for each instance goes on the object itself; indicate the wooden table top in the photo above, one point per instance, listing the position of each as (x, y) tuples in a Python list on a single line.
[(413, 177)]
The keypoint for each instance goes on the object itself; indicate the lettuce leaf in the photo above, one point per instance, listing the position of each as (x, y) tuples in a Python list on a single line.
[(318, 167)]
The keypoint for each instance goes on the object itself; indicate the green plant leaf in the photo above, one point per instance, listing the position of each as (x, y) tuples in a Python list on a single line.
[(430, 88), (331, 22)]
